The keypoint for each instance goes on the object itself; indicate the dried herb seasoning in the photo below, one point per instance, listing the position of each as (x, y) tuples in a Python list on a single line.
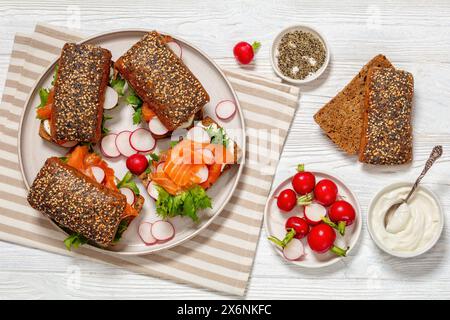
[(300, 54)]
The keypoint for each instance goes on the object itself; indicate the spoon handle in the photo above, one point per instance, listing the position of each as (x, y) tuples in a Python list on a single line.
[(436, 153)]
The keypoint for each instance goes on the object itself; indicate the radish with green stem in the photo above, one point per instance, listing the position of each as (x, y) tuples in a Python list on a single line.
[(314, 213), (321, 239), (293, 248)]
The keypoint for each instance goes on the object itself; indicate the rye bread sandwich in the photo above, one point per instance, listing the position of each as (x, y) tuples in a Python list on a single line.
[(164, 85), (80, 193), (72, 110), (179, 177)]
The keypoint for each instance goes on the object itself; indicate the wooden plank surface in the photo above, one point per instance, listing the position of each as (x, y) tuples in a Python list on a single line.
[(413, 34)]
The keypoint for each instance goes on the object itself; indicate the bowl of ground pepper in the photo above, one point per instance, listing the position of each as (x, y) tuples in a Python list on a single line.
[(299, 54)]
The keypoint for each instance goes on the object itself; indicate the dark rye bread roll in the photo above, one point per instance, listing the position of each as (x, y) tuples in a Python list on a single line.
[(162, 80), (77, 202), (387, 129), (342, 117), (81, 80)]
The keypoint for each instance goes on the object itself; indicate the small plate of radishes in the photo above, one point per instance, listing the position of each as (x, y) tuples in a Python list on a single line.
[(312, 218)]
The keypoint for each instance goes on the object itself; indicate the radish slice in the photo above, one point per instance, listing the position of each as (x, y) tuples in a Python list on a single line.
[(314, 213), (152, 191), (142, 140), (208, 155), (108, 146), (98, 173), (157, 127), (145, 233), (199, 135), (69, 144), (160, 167), (111, 98), (129, 194), (123, 143), (176, 48), (294, 250), (46, 124), (202, 173), (163, 230), (225, 109)]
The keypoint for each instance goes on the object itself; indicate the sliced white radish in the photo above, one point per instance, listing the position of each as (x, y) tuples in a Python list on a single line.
[(202, 173), (199, 135), (111, 98), (314, 213), (142, 140), (108, 146), (176, 48), (98, 173), (123, 144), (207, 155), (160, 167), (157, 127), (46, 125), (69, 144), (129, 194), (294, 250), (225, 109), (163, 230), (145, 233), (152, 190)]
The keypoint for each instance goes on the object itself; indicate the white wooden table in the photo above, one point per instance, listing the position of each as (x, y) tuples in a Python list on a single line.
[(413, 34)]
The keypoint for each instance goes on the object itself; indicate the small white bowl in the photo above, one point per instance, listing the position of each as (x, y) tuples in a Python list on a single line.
[(380, 244), (274, 59)]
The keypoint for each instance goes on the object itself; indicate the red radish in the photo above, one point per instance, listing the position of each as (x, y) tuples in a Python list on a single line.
[(145, 233), (314, 213), (108, 146), (202, 173), (123, 143), (69, 144), (294, 250), (303, 182), (287, 199), (325, 192), (225, 109), (176, 48), (199, 135), (111, 98), (299, 225), (207, 155), (137, 163), (244, 51), (342, 213), (160, 166), (321, 239), (163, 230), (152, 190), (142, 140), (129, 194), (157, 127), (98, 173)]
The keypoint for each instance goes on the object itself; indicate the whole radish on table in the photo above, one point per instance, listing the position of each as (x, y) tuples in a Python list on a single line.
[(322, 214), (244, 51)]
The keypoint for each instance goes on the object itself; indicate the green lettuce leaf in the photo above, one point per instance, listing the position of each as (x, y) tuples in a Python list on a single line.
[(74, 241), (127, 182)]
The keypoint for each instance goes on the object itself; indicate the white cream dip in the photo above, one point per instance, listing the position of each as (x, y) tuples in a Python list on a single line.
[(412, 227)]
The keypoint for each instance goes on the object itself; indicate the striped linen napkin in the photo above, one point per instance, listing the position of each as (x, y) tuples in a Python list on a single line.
[(220, 257)]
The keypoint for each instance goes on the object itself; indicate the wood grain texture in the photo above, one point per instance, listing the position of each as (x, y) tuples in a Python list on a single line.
[(413, 34)]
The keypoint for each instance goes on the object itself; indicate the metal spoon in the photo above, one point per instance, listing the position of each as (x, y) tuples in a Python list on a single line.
[(435, 154)]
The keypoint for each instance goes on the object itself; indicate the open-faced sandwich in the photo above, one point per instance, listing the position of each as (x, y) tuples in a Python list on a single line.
[(163, 91), (178, 178), (72, 110), (80, 193)]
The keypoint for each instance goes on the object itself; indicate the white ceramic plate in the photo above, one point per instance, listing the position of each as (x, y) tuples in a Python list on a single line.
[(274, 54), (33, 151), (274, 221)]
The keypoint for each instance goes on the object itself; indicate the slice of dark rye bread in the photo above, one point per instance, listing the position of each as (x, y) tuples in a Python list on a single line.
[(206, 122), (342, 117)]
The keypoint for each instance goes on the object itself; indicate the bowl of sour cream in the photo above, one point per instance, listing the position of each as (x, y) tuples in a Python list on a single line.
[(414, 228)]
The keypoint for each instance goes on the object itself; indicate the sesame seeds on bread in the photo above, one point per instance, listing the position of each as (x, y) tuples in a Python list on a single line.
[(342, 117)]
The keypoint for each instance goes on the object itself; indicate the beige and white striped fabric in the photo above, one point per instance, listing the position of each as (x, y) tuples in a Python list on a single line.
[(221, 257)]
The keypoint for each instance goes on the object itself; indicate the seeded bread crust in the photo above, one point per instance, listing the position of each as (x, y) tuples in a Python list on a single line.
[(77, 202), (387, 130), (82, 77), (342, 117), (162, 80)]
